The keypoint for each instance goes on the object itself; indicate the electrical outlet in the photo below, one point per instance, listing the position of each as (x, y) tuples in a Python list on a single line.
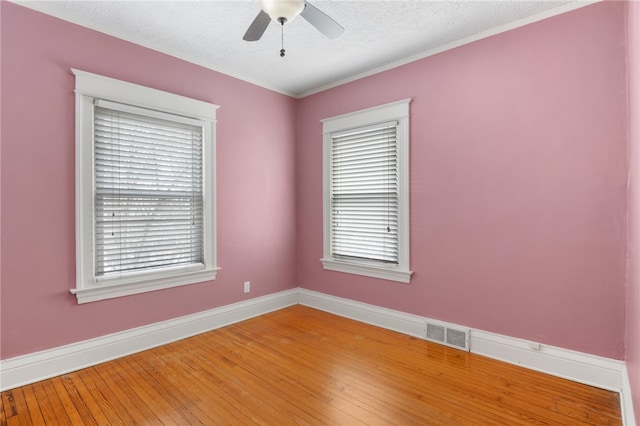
[(247, 286)]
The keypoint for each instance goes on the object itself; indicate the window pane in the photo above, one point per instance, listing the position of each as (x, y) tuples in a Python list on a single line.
[(364, 194), (148, 197)]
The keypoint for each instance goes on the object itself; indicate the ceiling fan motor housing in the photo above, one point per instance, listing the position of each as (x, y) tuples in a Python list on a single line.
[(287, 9)]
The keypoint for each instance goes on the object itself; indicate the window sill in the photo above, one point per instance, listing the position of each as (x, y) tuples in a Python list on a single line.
[(102, 292), (395, 274)]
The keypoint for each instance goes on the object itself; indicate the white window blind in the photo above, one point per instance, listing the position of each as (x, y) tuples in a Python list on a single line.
[(148, 190), (364, 194)]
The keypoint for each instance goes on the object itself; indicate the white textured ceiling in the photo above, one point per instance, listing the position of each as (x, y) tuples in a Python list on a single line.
[(378, 34)]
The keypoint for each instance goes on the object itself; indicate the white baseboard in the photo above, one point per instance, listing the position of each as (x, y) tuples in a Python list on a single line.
[(580, 367), (49, 363), (401, 322), (628, 418), (584, 368)]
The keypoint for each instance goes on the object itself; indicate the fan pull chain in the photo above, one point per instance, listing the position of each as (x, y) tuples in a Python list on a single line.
[(282, 21)]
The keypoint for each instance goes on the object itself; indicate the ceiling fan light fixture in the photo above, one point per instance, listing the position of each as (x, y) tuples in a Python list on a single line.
[(287, 9)]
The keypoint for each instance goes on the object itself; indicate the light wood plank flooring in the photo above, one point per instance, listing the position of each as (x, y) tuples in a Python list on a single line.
[(303, 366)]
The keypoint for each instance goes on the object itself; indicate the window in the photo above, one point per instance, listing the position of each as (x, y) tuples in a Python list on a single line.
[(144, 189), (366, 200)]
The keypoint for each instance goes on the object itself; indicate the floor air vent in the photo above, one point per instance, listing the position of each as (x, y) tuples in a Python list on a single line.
[(442, 333)]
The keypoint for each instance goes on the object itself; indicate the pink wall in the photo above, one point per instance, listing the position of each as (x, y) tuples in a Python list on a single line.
[(517, 183), (255, 155), (633, 251)]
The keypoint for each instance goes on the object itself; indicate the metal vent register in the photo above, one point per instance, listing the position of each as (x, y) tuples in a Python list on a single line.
[(441, 333)]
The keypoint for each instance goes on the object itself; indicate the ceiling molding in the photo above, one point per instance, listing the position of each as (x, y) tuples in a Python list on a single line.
[(277, 81), (485, 34), (91, 26)]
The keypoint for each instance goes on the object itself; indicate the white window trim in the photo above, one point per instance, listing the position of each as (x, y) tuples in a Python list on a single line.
[(92, 86), (399, 111)]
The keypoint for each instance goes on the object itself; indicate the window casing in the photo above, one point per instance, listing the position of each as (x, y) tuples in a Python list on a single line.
[(145, 190), (366, 199)]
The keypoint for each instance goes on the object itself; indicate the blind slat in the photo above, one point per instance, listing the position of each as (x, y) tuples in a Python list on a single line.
[(364, 194), (148, 191)]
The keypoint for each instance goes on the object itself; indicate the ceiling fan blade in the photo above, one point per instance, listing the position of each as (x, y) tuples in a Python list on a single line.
[(257, 27), (321, 21)]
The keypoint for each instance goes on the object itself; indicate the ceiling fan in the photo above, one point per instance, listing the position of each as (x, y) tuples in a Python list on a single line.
[(284, 11)]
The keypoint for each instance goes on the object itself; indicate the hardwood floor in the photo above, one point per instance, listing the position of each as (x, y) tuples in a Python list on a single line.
[(303, 366)]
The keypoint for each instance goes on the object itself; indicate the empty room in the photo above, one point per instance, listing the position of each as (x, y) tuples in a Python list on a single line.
[(339, 212)]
